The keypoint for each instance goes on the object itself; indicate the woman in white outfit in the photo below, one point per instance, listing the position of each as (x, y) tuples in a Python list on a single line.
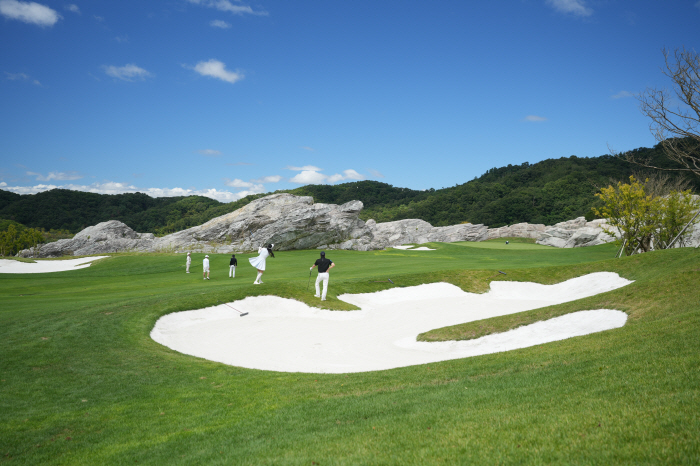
[(259, 262)]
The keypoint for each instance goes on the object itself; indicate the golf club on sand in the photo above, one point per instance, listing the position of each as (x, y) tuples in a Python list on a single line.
[(241, 313)]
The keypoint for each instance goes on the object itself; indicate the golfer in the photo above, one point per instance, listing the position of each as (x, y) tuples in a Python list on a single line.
[(205, 271), (259, 262), (232, 266), (189, 262), (324, 265)]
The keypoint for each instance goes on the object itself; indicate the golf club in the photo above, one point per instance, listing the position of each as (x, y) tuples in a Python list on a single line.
[(388, 279), (499, 272), (241, 313)]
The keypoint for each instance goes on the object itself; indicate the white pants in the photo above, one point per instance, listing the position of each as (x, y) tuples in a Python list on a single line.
[(188, 268), (322, 277), (231, 271)]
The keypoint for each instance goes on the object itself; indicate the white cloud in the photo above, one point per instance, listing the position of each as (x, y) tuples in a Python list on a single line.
[(216, 69), (309, 177), (574, 7), (59, 176), (352, 175), (622, 95), (227, 6), (375, 173), (21, 77), (534, 118), (209, 152), (314, 177), (217, 23), (307, 148), (29, 12), (3, 184), (73, 7), (236, 183), (128, 72), (305, 167), (268, 179)]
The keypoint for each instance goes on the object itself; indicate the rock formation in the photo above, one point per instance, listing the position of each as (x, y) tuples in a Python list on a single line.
[(575, 233), (288, 221)]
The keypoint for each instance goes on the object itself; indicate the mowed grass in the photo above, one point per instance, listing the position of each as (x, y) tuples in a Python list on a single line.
[(81, 382)]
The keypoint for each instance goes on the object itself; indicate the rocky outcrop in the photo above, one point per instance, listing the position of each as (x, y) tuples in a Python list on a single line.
[(112, 236), (381, 235), (288, 221), (575, 233), (519, 230)]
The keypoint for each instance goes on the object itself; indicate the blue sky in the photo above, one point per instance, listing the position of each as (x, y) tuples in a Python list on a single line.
[(225, 98)]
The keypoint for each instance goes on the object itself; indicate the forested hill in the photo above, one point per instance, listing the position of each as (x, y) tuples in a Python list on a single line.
[(75, 210), (547, 192)]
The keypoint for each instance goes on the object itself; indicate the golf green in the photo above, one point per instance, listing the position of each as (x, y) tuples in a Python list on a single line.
[(81, 382)]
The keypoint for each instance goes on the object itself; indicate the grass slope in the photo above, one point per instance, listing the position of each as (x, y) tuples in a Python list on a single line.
[(81, 382)]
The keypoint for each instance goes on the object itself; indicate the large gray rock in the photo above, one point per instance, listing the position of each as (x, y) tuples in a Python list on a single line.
[(111, 236), (575, 233), (519, 230), (381, 235), (288, 221)]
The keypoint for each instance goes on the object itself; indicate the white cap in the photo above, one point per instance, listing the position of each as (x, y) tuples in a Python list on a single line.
[(206, 256)]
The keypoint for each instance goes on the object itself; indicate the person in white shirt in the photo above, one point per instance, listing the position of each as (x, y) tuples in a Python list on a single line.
[(205, 271), (189, 261), (259, 262)]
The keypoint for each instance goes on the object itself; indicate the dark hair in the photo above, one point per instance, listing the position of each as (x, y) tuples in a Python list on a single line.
[(323, 253), (269, 250)]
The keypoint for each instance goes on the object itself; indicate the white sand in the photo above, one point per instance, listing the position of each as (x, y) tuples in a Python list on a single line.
[(422, 248), (286, 335), (403, 247), (43, 266)]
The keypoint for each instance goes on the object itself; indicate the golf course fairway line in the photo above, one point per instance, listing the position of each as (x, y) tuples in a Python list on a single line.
[(285, 335), (44, 266)]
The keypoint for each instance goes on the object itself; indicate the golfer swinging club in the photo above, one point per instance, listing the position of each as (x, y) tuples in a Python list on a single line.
[(324, 265), (259, 262)]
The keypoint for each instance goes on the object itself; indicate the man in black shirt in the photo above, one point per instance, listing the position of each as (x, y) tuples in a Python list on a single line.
[(324, 266), (232, 266)]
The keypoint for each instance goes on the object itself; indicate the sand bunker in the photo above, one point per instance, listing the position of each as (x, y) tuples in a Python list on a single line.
[(10, 266), (411, 248), (286, 335)]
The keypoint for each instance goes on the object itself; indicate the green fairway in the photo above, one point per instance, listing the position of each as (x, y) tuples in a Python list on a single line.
[(81, 382)]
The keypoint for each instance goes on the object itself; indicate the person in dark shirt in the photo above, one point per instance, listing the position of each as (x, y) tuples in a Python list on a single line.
[(232, 266), (324, 266)]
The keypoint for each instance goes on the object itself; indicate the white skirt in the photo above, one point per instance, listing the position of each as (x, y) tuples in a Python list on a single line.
[(259, 262)]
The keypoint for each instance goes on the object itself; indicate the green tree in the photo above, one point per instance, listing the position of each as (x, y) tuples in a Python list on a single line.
[(643, 219)]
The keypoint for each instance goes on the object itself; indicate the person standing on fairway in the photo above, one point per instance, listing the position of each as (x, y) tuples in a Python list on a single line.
[(259, 262), (205, 271), (189, 261), (232, 266), (324, 265)]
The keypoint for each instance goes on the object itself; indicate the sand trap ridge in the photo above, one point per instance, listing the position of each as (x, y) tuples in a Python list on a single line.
[(286, 335)]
